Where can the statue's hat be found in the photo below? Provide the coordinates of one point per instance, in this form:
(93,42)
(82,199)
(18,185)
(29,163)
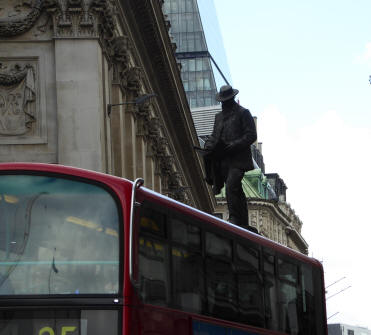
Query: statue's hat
(226,92)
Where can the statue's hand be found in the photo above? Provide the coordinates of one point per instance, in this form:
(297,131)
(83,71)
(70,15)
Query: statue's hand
(209,144)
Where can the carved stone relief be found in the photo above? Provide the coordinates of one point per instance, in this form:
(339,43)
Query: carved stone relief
(132,79)
(253,218)
(82,18)
(70,18)
(142,116)
(18,98)
(119,50)
(154,128)
(175,189)
(265,219)
(19,16)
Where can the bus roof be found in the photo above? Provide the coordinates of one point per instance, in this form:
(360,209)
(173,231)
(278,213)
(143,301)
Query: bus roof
(244,233)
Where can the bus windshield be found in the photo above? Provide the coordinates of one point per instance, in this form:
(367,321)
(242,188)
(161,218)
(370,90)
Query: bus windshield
(57,236)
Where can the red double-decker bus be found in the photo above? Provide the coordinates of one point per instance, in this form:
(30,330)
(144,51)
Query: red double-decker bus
(87,253)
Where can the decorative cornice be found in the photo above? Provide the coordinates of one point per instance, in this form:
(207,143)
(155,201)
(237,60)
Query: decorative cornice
(148,31)
(288,224)
(297,238)
(272,204)
(82,18)
(71,18)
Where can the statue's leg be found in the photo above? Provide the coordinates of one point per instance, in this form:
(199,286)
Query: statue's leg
(236,200)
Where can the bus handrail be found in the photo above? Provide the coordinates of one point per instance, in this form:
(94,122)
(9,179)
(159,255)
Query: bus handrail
(137,183)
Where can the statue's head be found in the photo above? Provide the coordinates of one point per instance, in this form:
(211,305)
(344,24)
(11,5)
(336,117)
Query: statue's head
(226,93)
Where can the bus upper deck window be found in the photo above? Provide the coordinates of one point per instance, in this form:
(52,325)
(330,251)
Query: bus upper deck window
(59,234)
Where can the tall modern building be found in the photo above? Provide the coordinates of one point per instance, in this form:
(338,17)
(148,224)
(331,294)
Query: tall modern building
(197,69)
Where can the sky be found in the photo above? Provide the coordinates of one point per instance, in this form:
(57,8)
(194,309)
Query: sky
(302,67)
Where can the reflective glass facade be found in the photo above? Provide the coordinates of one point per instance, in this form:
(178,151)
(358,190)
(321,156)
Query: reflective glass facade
(186,29)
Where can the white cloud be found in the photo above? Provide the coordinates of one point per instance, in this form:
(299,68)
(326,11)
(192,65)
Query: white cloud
(325,166)
(365,57)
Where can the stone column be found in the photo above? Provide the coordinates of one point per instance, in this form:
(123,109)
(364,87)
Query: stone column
(80,105)
(157,182)
(81,30)
(117,131)
(120,48)
(141,157)
(129,144)
(150,172)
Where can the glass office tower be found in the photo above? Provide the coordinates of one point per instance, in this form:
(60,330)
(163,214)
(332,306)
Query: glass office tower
(187,32)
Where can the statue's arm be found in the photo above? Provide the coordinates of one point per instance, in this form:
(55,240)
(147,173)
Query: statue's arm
(211,141)
(249,135)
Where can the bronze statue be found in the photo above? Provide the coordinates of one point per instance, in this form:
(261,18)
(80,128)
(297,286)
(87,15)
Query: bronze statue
(228,155)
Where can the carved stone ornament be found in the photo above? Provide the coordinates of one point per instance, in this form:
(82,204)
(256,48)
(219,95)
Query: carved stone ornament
(82,18)
(132,79)
(17,98)
(154,127)
(17,16)
(143,117)
(119,51)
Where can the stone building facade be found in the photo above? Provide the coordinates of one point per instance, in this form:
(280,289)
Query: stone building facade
(273,219)
(62,62)
(277,221)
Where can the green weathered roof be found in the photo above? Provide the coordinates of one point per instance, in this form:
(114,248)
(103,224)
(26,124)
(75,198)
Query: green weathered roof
(252,184)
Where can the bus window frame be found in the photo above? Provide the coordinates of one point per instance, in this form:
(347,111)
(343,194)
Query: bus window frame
(86,300)
(206,225)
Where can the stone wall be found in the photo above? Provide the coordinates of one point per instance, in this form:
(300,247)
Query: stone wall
(62,62)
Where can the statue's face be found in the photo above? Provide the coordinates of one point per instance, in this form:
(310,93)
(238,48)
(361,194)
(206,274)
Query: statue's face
(228,102)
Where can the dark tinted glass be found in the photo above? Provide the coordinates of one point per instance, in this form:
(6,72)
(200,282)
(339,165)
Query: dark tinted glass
(188,280)
(153,269)
(221,289)
(268,264)
(186,234)
(152,221)
(287,271)
(186,31)
(270,292)
(250,286)
(308,319)
(58,236)
(218,246)
(288,308)
(201,271)
(248,255)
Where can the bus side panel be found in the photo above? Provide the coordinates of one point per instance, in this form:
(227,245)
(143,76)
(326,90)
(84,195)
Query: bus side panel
(147,320)
(151,320)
